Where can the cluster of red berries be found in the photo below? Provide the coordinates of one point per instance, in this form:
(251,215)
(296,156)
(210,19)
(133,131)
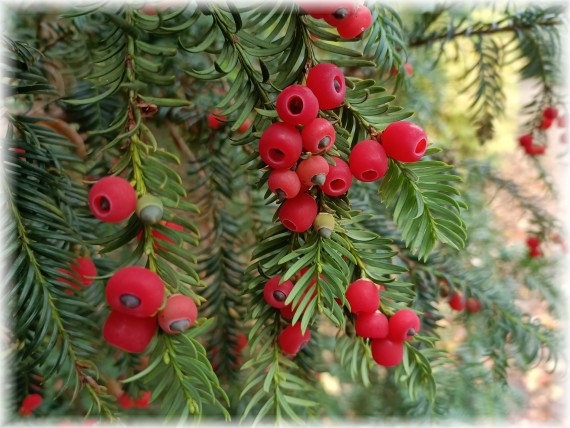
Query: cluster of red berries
(128,402)
(29,404)
(350,18)
(548,116)
(82,270)
(533,244)
(387,335)
(458,302)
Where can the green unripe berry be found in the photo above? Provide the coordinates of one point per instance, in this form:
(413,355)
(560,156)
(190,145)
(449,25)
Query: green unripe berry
(149,209)
(324,224)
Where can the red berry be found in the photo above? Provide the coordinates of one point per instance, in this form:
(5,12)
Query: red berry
(403,325)
(318,135)
(85,269)
(131,334)
(112,199)
(287,312)
(409,69)
(30,403)
(362,296)
(241,342)
(535,253)
(244,126)
(342,11)
(368,161)
(178,315)
(457,302)
(338,179)
(327,83)
(215,119)
(275,294)
(136,291)
(157,235)
(550,113)
(284,183)
(313,8)
(297,105)
(386,352)
(297,214)
(535,150)
(533,241)
(280,145)
(373,325)
(545,123)
(291,339)
(472,305)
(143,401)
(355,24)
(525,140)
(404,141)
(125,401)
(313,171)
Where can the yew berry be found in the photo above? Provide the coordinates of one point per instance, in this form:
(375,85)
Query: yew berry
(297,105)
(534,150)
(313,171)
(136,291)
(157,235)
(525,140)
(404,141)
(29,404)
(112,199)
(472,305)
(241,342)
(355,24)
(82,270)
(149,209)
(246,124)
(284,183)
(287,312)
(215,119)
(291,339)
(409,68)
(143,401)
(131,334)
(125,401)
(318,135)
(373,325)
(457,301)
(535,253)
(280,145)
(338,179)
(342,11)
(324,224)
(362,296)
(178,315)
(368,161)
(297,214)
(545,123)
(275,294)
(533,241)
(403,325)
(550,113)
(328,84)
(386,352)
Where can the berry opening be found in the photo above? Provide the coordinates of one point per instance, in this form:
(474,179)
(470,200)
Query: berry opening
(370,175)
(104,203)
(279,296)
(179,325)
(276,155)
(295,105)
(324,142)
(130,301)
(289,225)
(340,13)
(337,184)
(337,85)
(421,147)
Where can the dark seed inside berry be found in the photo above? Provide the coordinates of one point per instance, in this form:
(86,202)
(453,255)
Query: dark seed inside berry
(340,13)
(336,85)
(179,325)
(104,204)
(319,179)
(296,105)
(279,296)
(130,301)
(411,332)
(324,142)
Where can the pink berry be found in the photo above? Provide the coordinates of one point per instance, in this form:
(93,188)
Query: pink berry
(275,294)
(368,161)
(328,84)
(284,183)
(386,352)
(318,135)
(280,145)
(297,105)
(313,171)
(373,325)
(297,214)
(355,24)
(362,296)
(338,179)
(404,141)
(403,325)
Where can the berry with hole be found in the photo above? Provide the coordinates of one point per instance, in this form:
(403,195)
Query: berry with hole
(403,325)
(355,24)
(404,141)
(386,352)
(112,199)
(291,339)
(472,305)
(284,183)
(362,296)
(136,291)
(368,161)
(313,171)
(318,135)
(178,314)
(131,334)
(275,294)
(338,179)
(280,145)
(373,325)
(215,119)
(297,105)
(457,301)
(328,84)
(297,214)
